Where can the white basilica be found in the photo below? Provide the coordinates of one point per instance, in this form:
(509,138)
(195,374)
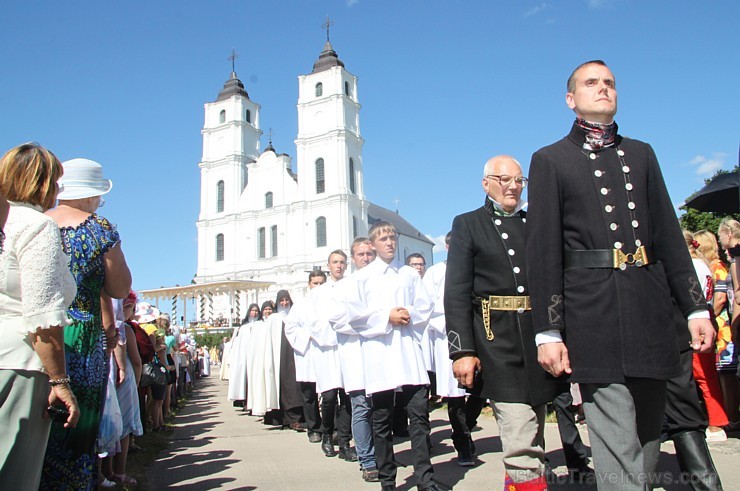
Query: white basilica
(260,219)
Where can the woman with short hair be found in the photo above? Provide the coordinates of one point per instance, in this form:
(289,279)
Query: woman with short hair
(36,288)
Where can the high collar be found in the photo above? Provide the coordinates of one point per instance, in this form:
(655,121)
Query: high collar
(497,210)
(382,266)
(578,136)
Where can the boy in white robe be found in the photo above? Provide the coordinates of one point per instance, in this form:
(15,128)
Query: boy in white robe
(389,307)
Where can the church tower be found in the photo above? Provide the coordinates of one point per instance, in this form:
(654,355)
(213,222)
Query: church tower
(329,151)
(231,135)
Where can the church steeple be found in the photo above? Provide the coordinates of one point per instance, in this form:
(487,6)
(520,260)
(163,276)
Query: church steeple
(233,85)
(328,57)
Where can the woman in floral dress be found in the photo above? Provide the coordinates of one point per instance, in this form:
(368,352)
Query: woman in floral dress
(100,271)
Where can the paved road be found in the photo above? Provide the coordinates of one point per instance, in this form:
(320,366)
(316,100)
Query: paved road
(216,446)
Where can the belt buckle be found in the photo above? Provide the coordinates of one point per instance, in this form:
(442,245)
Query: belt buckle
(637,258)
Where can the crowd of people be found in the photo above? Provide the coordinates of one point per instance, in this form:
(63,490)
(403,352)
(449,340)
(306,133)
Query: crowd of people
(591,293)
(72,355)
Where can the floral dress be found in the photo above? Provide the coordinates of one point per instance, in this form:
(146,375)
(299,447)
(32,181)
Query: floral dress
(70,455)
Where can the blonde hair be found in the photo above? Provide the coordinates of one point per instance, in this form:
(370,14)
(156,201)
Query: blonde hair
(29,174)
(357,242)
(688,237)
(380,228)
(708,245)
(729,226)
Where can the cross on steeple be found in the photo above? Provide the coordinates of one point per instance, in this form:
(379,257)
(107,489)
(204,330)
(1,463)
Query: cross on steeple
(327,25)
(269,136)
(232,58)
(396,201)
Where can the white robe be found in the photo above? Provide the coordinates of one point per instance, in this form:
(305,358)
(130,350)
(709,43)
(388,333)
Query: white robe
(298,333)
(324,345)
(275,323)
(434,282)
(238,363)
(392,355)
(207,364)
(225,361)
(348,341)
(262,392)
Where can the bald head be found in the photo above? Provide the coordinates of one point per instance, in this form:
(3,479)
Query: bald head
(500,181)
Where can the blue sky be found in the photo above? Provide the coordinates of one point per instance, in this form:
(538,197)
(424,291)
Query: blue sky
(444,85)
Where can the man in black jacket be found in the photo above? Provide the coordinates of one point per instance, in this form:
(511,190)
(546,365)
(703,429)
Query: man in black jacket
(605,256)
(489,322)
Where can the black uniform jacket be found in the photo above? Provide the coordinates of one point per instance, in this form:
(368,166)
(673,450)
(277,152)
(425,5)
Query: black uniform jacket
(615,323)
(486,257)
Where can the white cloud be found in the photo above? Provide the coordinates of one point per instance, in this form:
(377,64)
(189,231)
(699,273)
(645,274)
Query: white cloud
(706,167)
(350,3)
(536,9)
(439,243)
(597,4)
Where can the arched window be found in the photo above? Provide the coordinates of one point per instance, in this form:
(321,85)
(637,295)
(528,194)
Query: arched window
(220,247)
(219,197)
(351,175)
(273,241)
(268,199)
(354,226)
(320,185)
(261,242)
(319,89)
(222,116)
(248,116)
(346,88)
(321,232)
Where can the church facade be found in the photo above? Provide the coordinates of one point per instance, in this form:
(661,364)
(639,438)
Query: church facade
(261,220)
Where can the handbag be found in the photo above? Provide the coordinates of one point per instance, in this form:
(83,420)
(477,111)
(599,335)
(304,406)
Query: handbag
(153,374)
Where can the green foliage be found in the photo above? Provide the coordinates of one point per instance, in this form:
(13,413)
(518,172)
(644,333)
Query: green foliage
(694,220)
(211,339)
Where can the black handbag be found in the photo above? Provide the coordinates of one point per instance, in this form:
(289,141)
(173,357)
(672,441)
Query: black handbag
(153,374)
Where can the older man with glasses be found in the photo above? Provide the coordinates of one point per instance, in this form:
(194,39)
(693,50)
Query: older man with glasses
(489,322)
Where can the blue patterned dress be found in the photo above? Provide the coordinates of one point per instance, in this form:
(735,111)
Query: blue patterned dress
(70,455)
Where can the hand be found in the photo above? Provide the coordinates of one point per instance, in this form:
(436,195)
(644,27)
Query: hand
(702,335)
(64,394)
(399,317)
(553,357)
(464,370)
(121,376)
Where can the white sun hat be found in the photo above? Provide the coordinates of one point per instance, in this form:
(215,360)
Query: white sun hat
(83,178)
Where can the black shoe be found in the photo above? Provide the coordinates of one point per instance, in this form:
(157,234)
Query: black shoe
(581,474)
(465,459)
(314,437)
(327,446)
(347,453)
(370,475)
(432,487)
(389,487)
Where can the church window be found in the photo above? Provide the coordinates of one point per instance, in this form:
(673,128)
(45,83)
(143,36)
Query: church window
(354,226)
(273,241)
(321,232)
(220,197)
(346,88)
(351,175)
(261,242)
(220,247)
(320,184)
(248,116)
(268,199)
(319,89)
(222,116)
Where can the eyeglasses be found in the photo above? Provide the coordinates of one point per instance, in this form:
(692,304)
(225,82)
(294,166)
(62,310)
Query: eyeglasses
(507,181)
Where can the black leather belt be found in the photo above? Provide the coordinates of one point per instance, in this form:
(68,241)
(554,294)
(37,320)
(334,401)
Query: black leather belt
(604,258)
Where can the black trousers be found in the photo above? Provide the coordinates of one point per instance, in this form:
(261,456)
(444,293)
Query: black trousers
(414,397)
(683,411)
(463,415)
(332,402)
(576,453)
(311,406)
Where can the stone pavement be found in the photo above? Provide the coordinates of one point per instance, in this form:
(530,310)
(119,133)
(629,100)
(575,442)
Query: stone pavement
(217,446)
